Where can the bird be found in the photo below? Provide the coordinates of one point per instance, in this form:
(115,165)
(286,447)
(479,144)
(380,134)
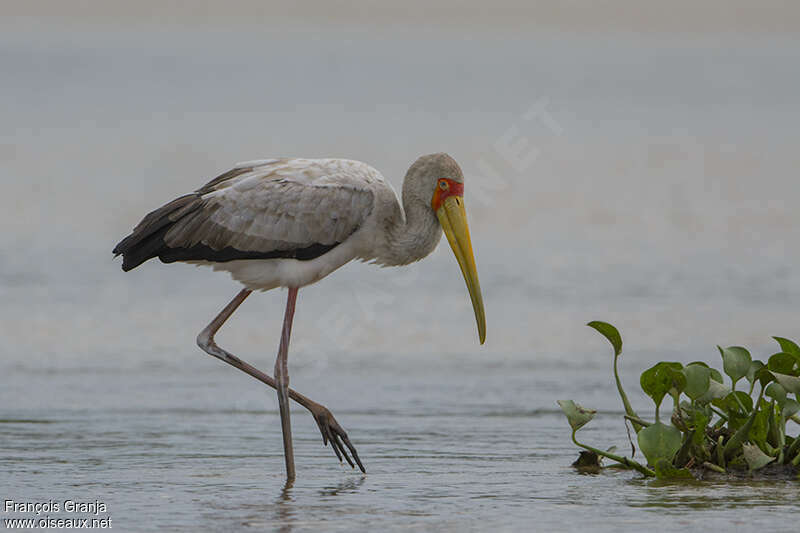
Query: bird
(288,223)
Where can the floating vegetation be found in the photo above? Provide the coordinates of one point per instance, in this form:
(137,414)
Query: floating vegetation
(731,429)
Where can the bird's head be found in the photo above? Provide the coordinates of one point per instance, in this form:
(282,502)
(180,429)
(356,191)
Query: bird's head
(442,178)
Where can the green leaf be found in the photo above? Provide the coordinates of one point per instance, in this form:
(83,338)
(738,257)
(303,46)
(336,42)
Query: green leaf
(678,380)
(697,380)
(775,426)
(716,376)
(764,376)
(790,383)
(737,406)
(659,441)
(734,401)
(665,470)
(738,438)
(760,430)
(781,362)
(735,362)
(789,346)
(754,456)
(716,390)
(755,366)
(657,380)
(612,334)
(609,332)
(790,408)
(697,418)
(776,391)
(576,415)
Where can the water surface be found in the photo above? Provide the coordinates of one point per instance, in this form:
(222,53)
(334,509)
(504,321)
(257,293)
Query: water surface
(662,198)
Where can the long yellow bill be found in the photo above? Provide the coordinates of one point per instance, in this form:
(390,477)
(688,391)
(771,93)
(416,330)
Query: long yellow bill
(453,219)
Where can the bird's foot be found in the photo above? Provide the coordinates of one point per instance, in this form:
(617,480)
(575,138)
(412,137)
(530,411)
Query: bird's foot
(332,432)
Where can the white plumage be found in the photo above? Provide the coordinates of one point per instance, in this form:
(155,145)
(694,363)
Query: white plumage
(281,204)
(285,204)
(289,223)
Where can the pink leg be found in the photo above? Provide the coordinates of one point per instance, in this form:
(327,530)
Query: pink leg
(328,425)
(282,382)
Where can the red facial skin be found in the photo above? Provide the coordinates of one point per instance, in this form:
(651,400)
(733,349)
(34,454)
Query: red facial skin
(444,189)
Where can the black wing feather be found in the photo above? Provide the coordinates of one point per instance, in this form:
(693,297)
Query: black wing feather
(148,240)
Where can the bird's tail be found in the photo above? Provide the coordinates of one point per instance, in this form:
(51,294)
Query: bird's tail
(147,239)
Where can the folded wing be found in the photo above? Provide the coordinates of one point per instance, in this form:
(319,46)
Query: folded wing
(281,208)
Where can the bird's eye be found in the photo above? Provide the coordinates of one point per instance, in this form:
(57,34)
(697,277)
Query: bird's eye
(443,185)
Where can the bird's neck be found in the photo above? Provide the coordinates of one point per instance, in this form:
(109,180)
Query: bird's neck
(412,237)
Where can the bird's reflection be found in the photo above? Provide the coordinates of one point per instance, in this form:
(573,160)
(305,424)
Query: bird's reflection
(348,485)
(284,510)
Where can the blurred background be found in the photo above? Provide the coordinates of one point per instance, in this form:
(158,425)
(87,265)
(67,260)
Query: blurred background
(626,161)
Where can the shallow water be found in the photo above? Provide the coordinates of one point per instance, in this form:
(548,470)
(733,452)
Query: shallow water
(458,445)
(663,200)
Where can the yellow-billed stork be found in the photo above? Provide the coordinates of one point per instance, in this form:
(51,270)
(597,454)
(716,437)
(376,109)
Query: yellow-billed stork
(291,222)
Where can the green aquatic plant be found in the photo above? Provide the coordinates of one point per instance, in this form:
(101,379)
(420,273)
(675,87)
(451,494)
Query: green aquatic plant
(713,425)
